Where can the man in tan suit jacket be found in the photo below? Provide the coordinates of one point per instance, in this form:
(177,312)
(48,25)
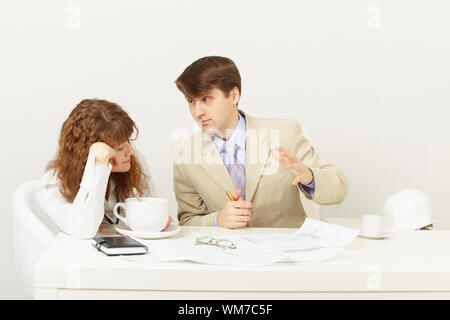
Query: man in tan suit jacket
(279,161)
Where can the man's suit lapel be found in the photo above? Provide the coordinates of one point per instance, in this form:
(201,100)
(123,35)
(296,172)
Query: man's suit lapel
(256,155)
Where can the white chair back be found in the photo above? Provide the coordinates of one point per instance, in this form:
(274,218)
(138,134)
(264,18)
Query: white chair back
(32,233)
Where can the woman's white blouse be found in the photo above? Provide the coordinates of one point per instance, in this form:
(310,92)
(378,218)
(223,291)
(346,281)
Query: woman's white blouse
(83,216)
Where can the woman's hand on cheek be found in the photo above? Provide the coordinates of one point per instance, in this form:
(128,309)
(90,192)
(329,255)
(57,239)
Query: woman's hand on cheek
(103,153)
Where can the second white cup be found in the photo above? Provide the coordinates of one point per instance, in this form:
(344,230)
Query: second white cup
(372,224)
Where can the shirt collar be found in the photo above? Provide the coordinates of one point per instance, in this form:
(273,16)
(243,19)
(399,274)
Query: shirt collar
(237,137)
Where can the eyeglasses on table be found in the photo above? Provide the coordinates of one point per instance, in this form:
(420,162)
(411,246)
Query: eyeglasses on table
(222,243)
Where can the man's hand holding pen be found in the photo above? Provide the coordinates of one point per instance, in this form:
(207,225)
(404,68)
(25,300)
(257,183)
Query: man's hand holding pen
(235,213)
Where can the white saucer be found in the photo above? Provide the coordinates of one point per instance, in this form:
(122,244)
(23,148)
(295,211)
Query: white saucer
(374,236)
(170,231)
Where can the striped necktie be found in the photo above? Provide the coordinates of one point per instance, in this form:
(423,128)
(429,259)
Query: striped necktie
(235,168)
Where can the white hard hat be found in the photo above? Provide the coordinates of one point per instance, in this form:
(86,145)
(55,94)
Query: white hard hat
(409,209)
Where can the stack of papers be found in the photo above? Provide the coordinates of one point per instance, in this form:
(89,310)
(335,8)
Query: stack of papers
(314,241)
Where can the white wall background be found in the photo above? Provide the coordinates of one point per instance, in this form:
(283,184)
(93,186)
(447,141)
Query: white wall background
(369,80)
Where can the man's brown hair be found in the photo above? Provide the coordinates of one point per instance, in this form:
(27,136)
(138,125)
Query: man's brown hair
(207,73)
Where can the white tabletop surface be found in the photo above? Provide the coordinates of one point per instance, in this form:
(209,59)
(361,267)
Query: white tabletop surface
(417,261)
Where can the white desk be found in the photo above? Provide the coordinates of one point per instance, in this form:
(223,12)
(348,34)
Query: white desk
(414,265)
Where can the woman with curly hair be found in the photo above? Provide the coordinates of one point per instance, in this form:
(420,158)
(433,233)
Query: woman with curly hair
(95,167)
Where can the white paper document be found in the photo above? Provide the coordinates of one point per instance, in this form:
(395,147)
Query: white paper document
(246,253)
(313,234)
(314,241)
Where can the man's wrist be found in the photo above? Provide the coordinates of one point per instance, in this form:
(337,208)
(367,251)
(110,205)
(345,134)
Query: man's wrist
(308,178)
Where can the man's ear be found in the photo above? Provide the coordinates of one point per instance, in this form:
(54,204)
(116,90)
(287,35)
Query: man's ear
(236,95)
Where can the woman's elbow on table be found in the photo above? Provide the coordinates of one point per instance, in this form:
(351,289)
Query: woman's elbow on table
(83,232)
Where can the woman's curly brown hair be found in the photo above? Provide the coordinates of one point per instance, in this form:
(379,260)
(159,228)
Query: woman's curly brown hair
(91,121)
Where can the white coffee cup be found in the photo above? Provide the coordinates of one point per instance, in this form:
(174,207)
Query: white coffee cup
(150,214)
(372,224)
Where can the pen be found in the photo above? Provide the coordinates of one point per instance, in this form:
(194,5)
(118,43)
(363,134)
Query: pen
(230,196)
